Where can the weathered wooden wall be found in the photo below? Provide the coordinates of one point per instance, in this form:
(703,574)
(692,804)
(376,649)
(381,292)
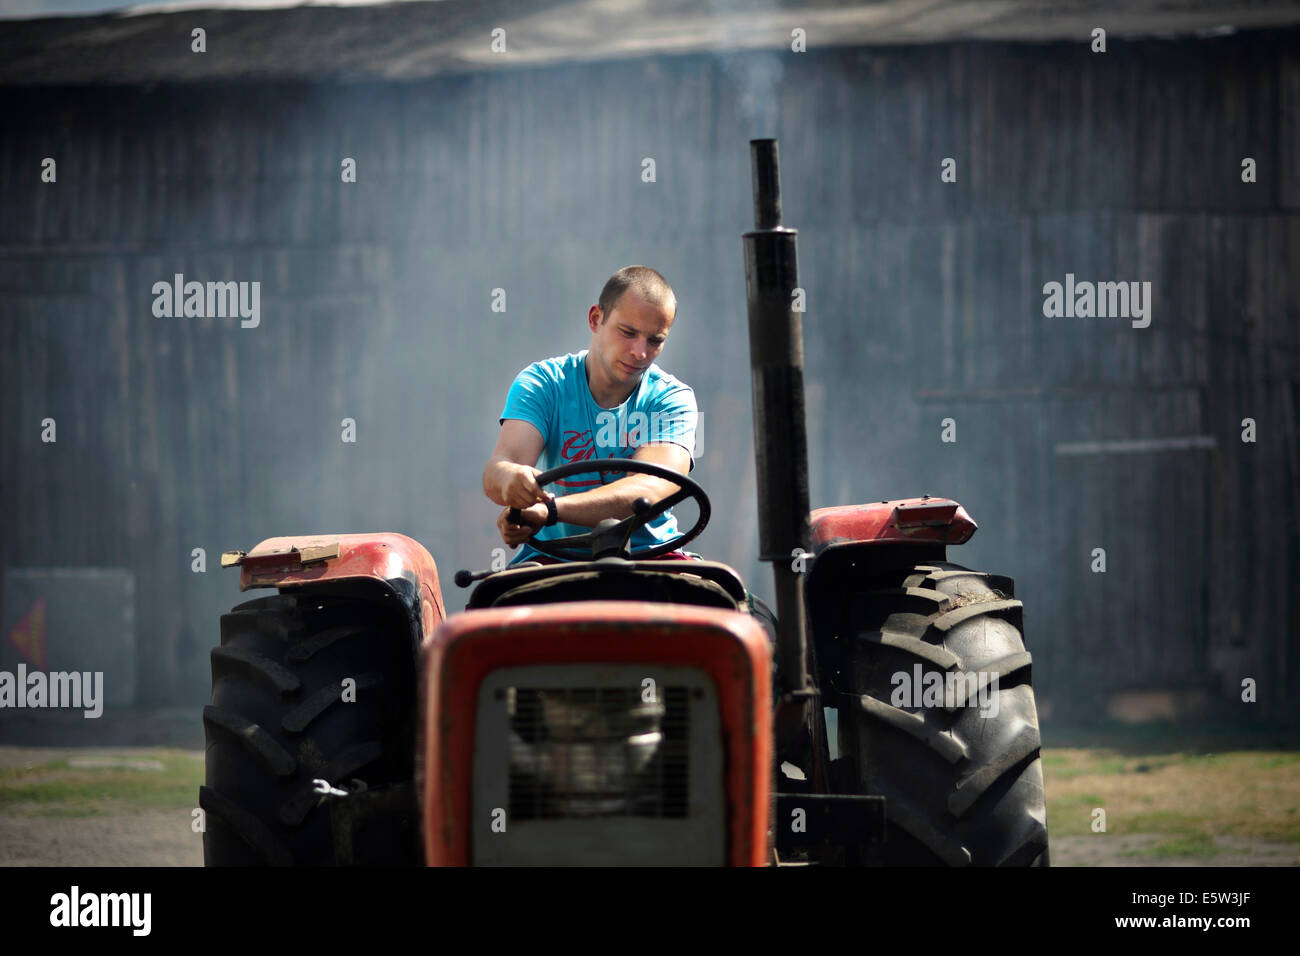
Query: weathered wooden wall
(925,303)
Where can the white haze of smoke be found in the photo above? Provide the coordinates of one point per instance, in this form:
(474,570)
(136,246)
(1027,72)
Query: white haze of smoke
(755,77)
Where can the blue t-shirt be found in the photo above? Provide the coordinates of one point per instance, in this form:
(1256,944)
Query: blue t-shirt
(553,396)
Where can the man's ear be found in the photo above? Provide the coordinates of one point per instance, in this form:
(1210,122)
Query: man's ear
(595,316)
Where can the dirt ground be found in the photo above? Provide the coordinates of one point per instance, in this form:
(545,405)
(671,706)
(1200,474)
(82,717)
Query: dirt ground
(60,833)
(106,828)
(158,839)
(1137,850)
(134,839)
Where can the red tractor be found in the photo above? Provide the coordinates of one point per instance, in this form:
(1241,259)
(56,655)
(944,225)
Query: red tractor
(612,708)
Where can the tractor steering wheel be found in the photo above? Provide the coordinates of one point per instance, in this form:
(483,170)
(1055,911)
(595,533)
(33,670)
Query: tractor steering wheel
(610,536)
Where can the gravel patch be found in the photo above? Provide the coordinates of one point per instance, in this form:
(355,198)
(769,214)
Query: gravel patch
(1136,849)
(128,839)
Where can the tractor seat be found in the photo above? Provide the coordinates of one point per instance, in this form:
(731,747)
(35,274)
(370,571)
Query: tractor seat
(656,586)
(708,583)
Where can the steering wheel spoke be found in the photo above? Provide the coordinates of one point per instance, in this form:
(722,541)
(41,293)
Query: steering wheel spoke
(675,498)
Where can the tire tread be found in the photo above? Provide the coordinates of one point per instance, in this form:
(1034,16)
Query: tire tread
(277,722)
(959,787)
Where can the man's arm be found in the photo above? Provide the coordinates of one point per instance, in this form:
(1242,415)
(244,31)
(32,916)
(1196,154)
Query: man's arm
(509,478)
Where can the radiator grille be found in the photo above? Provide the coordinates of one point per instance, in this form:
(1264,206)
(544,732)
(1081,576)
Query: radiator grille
(586,752)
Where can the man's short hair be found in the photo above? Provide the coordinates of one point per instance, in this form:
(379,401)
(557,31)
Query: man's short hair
(647,283)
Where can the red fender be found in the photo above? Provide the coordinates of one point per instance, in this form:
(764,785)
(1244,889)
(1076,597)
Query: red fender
(911,520)
(400,563)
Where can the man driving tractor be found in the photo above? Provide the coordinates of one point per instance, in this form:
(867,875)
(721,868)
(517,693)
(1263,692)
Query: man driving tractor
(608,401)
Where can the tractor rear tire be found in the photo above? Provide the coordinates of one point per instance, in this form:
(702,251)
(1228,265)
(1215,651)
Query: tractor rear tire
(281,717)
(961,787)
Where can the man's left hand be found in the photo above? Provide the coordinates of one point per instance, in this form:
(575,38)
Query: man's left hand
(515,535)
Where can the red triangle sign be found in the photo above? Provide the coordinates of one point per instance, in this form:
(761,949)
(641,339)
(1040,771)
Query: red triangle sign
(28,635)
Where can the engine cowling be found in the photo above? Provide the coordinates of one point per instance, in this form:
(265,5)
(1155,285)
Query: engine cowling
(601,733)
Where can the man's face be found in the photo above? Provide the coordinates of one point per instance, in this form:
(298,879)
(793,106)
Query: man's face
(627,340)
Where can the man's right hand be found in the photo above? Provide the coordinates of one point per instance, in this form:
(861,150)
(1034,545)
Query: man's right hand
(516,534)
(516,485)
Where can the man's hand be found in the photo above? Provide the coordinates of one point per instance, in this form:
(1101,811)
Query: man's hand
(516,485)
(515,535)
(509,478)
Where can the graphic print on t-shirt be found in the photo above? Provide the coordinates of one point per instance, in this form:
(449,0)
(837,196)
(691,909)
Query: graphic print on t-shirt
(582,446)
(578,446)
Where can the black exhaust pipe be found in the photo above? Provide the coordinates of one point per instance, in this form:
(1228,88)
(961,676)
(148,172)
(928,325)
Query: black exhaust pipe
(780,436)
